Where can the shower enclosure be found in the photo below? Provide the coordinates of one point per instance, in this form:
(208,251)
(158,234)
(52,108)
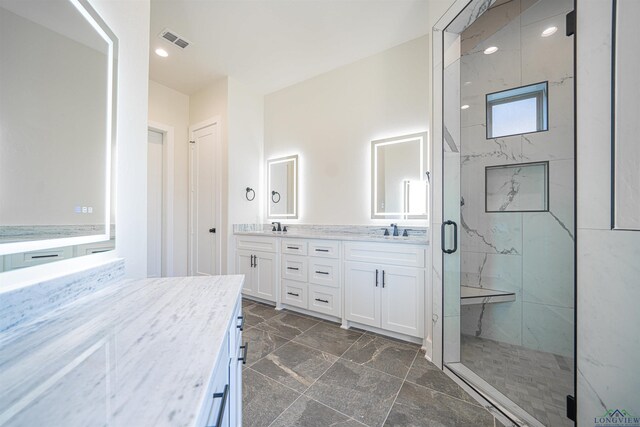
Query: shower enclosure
(508,200)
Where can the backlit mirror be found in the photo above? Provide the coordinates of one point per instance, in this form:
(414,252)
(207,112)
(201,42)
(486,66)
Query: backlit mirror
(57,127)
(282,187)
(399,179)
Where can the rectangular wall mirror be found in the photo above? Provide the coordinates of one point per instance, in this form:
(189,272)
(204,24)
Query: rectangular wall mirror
(57,114)
(282,187)
(399,181)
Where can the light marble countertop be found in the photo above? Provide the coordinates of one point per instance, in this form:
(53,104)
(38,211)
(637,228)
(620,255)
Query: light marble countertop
(413,240)
(137,353)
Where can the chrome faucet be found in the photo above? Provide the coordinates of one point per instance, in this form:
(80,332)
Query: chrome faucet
(395,229)
(279,228)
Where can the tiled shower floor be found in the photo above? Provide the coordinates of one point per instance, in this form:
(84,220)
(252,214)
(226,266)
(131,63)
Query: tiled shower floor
(536,381)
(306,372)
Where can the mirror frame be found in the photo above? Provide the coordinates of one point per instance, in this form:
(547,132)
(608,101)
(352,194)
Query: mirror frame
(98,24)
(294,159)
(424,172)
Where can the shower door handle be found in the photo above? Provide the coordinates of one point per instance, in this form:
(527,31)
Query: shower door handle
(443,228)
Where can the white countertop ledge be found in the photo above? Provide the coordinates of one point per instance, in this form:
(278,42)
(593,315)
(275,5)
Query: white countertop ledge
(338,236)
(137,353)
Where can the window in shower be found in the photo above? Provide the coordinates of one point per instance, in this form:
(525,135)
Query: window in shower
(517,111)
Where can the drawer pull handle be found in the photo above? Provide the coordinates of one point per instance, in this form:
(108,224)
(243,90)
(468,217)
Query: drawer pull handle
(241,325)
(245,349)
(293,268)
(291,293)
(295,248)
(322,300)
(224,395)
(322,272)
(45,256)
(322,250)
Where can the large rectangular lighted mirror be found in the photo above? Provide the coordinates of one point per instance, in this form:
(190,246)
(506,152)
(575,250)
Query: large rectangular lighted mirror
(57,114)
(282,188)
(399,180)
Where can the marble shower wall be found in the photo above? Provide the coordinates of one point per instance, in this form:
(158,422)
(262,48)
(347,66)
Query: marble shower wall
(530,254)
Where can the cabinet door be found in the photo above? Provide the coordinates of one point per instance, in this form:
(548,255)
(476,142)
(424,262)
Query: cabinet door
(265,276)
(244,266)
(362,295)
(403,300)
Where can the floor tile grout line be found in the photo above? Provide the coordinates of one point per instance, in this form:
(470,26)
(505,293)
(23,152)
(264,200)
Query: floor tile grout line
(442,392)
(400,389)
(275,381)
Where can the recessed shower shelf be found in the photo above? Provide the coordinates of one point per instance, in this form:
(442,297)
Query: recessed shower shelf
(470,295)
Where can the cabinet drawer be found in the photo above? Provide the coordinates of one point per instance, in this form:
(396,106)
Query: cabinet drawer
(324,299)
(324,248)
(218,382)
(294,246)
(386,253)
(256,243)
(28,259)
(294,293)
(294,268)
(324,271)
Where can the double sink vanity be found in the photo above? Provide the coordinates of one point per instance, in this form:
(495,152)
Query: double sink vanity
(356,277)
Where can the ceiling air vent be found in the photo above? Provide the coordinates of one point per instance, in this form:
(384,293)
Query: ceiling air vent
(174,38)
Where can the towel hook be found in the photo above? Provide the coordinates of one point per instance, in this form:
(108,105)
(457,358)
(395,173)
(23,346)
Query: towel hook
(253,194)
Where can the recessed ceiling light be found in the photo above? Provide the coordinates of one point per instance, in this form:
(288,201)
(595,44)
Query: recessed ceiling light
(464,107)
(490,50)
(549,31)
(162,52)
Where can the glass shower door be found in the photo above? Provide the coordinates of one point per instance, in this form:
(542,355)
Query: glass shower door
(508,206)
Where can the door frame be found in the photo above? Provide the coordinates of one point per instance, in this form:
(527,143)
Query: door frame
(217,222)
(168,167)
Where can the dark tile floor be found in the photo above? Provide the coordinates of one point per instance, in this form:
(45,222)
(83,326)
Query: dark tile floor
(306,372)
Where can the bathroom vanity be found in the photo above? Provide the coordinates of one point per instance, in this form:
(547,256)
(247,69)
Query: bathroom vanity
(144,352)
(374,282)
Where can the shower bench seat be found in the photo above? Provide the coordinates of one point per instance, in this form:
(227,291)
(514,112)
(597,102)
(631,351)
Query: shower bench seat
(470,295)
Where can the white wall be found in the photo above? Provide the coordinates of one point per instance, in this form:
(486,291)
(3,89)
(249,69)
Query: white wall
(171,108)
(130,23)
(330,121)
(246,135)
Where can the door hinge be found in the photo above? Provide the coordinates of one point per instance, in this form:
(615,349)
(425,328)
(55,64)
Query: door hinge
(571,23)
(571,407)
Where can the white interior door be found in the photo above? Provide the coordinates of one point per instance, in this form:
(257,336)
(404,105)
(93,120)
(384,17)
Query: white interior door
(154,203)
(203,196)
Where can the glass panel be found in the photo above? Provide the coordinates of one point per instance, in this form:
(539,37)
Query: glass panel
(514,334)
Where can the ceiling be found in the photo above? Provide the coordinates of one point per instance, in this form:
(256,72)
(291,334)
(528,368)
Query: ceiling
(272,44)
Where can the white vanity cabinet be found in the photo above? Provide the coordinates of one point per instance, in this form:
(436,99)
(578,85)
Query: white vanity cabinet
(384,286)
(256,259)
(311,276)
(223,405)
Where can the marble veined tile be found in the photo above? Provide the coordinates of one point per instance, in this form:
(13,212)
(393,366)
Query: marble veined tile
(310,413)
(420,406)
(548,328)
(388,356)
(500,322)
(517,188)
(548,260)
(357,391)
